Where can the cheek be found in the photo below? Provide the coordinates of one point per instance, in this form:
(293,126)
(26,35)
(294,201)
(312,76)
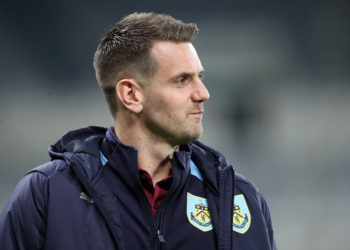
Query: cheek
(168,103)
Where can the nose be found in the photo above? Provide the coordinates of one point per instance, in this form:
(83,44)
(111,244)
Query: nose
(200,93)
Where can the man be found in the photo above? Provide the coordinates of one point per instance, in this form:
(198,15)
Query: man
(144,183)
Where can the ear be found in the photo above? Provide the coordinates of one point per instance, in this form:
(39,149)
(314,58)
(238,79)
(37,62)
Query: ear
(130,95)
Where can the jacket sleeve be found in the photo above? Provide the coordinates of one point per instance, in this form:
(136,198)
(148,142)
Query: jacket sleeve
(23,220)
(266,212)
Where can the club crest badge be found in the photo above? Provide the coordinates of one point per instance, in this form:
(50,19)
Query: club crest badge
(198,212)
(241,215)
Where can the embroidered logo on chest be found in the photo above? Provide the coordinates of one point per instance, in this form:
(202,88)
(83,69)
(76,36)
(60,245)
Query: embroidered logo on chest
(198,212)
(241,215)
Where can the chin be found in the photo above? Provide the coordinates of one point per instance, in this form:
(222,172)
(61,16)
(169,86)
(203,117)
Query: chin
(191,137)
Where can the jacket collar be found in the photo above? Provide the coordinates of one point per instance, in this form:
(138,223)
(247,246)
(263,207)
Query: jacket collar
(84,140)
(210,163)
(111,143)
(91,140)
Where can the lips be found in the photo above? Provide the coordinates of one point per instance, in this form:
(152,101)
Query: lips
(197,112)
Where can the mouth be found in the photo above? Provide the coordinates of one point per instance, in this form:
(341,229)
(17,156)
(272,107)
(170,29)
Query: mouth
(198,113)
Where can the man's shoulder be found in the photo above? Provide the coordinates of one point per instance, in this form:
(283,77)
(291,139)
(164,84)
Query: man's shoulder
(50,168)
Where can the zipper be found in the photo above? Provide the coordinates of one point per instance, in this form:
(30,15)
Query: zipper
(163,207)
(155,220)
(160,237)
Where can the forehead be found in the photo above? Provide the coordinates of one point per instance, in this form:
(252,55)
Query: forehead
(174,58)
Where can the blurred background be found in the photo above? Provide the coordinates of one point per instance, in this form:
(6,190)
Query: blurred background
(277,71)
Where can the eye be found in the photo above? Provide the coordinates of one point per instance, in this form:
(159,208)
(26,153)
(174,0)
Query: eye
(201,75)
(183,80)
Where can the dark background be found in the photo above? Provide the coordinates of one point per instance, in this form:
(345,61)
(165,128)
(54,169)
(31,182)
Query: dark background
(277,71)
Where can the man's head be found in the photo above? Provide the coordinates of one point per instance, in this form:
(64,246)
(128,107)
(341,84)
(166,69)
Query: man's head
(172,106)
(125,52)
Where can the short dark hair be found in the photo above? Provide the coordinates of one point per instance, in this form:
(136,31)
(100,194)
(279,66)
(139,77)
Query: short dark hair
(125,50)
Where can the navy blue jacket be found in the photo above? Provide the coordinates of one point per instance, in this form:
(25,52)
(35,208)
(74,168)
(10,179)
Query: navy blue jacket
(89,196)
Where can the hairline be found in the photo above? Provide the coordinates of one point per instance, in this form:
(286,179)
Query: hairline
(134,71)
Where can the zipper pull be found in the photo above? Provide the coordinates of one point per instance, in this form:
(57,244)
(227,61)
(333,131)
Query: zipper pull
(160,237)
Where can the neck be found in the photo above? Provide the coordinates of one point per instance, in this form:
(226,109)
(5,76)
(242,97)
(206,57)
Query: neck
(153,156)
